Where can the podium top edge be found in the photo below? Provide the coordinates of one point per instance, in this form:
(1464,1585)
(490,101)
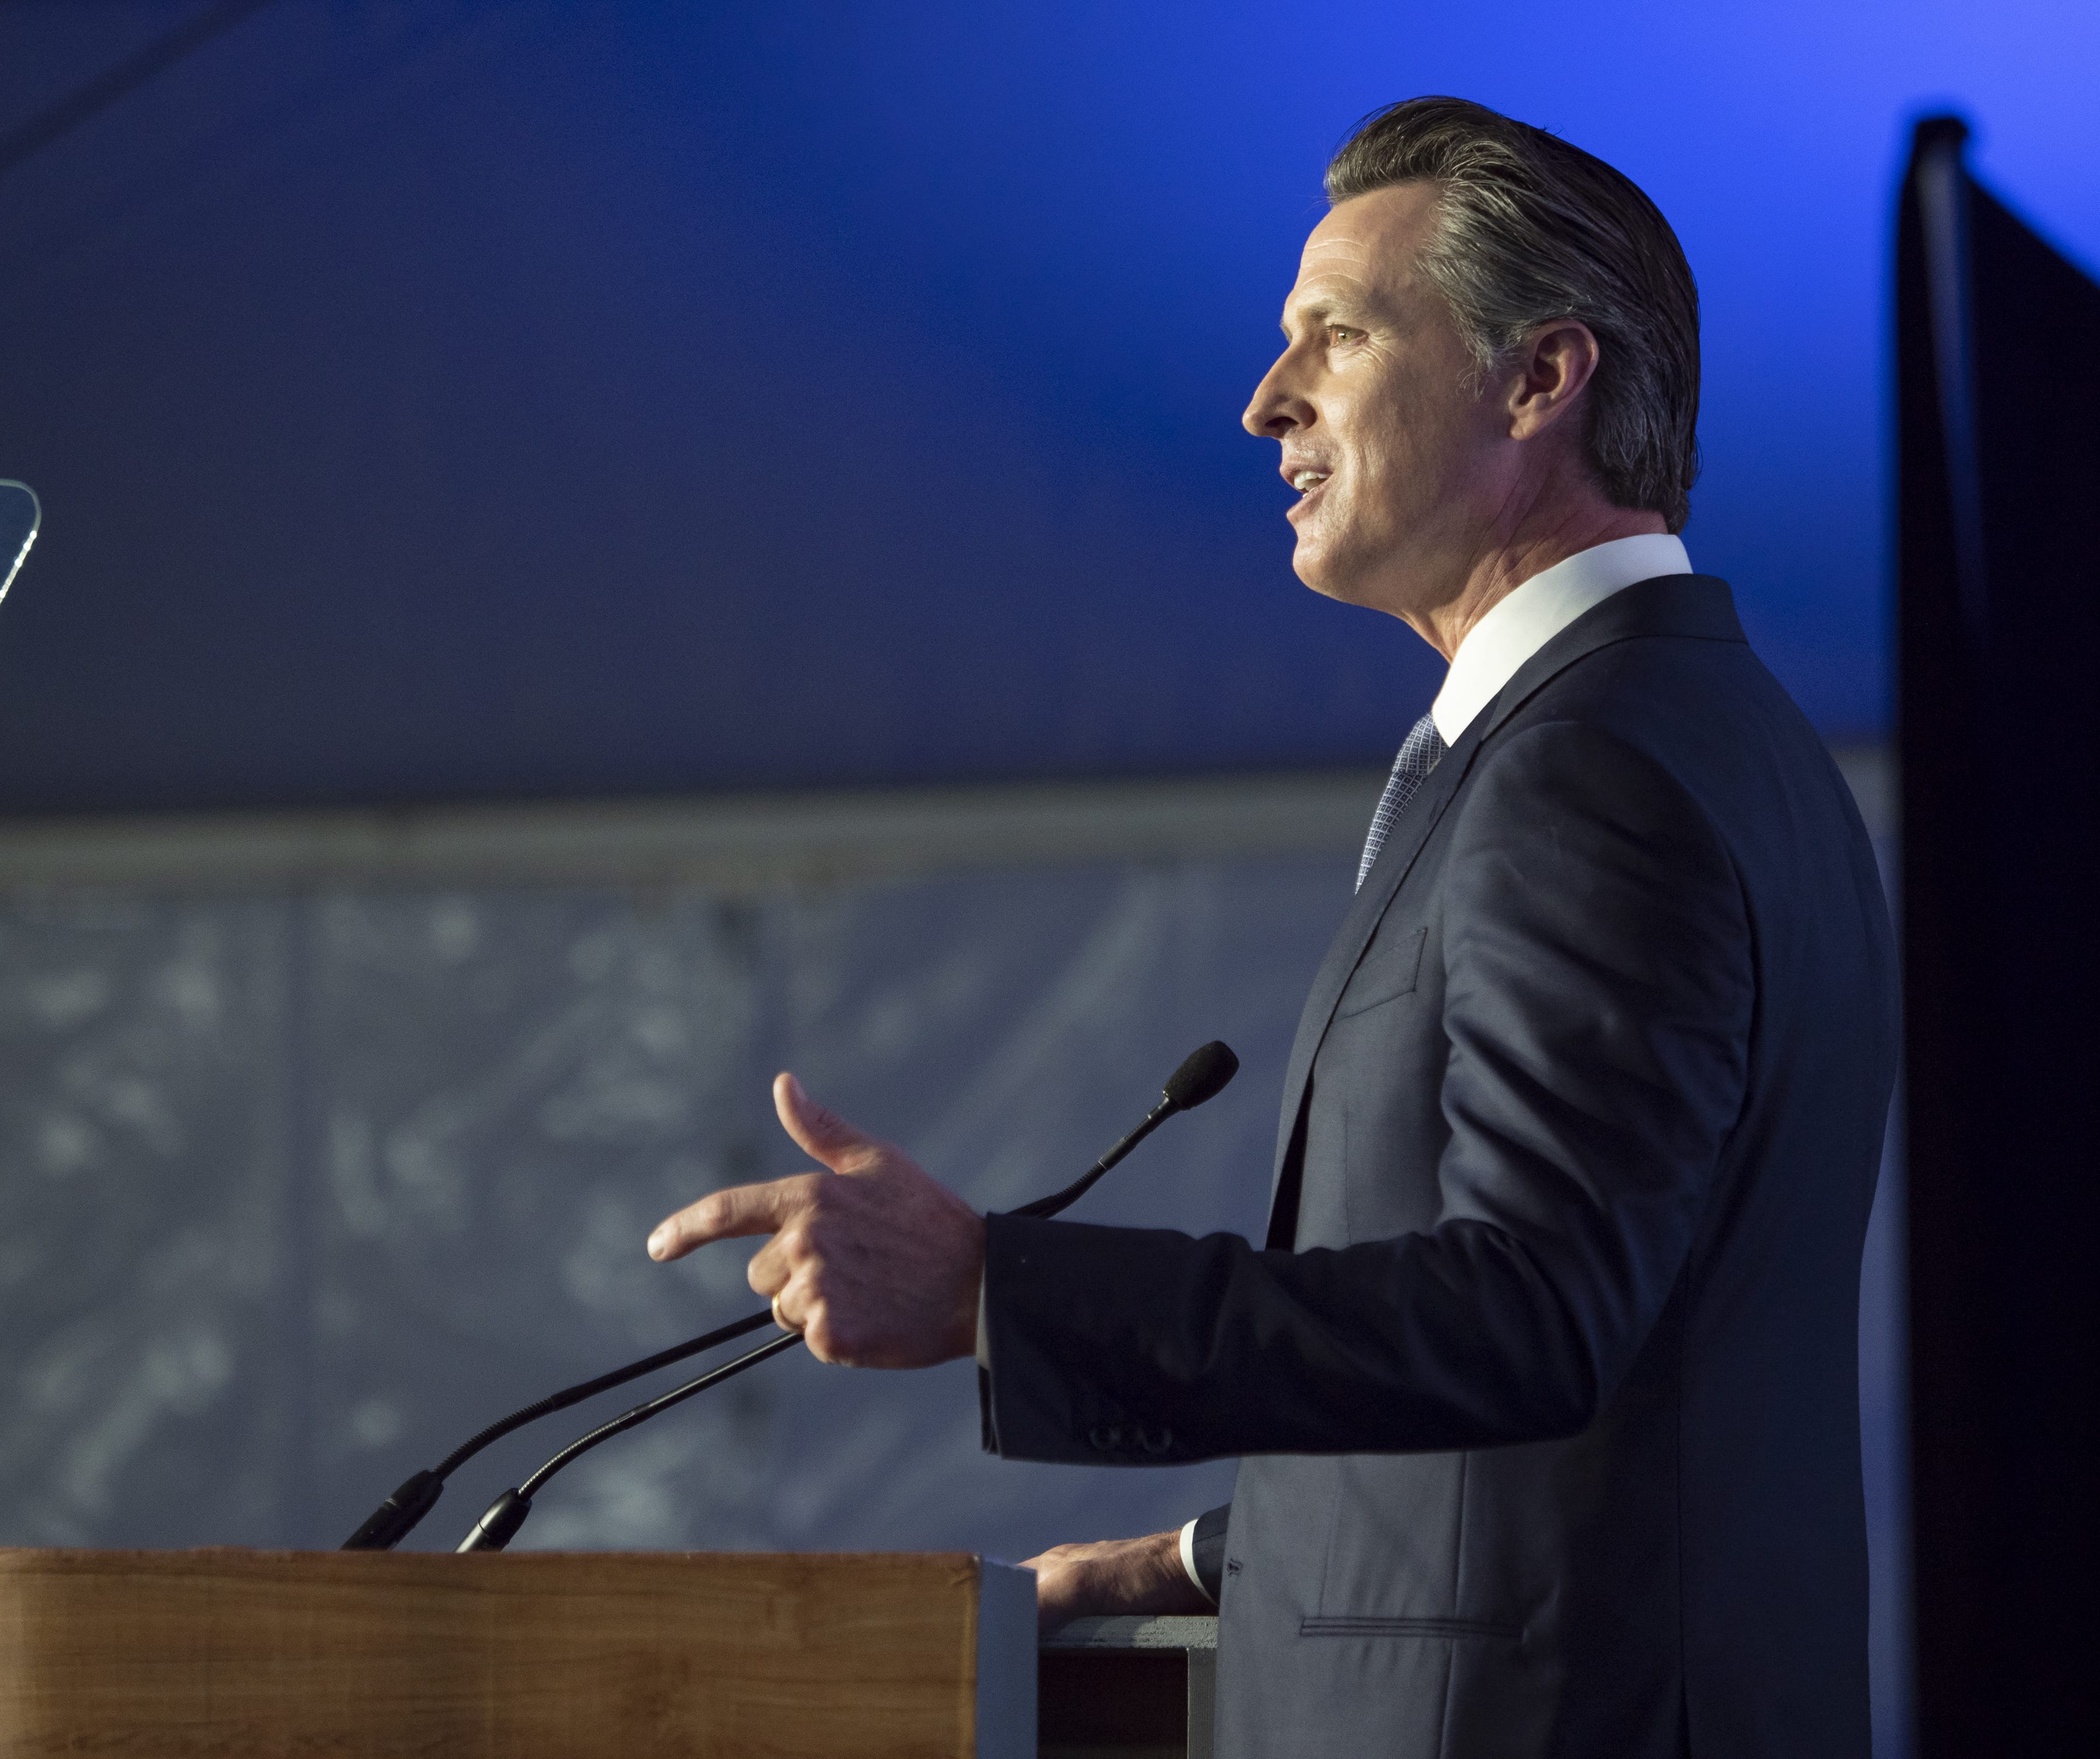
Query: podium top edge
(1160,1632)
(18,1559)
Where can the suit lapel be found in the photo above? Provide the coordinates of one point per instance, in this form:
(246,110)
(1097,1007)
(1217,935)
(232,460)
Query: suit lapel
(1696,606)
(1403,844)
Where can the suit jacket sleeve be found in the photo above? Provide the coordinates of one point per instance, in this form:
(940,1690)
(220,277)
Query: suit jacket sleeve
(1598,995)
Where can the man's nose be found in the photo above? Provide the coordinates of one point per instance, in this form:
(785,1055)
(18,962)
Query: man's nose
(1277,408)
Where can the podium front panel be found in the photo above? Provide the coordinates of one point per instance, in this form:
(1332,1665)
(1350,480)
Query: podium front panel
(524,1656)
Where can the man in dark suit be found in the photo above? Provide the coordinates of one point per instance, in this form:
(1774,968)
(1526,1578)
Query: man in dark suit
(1544,1381)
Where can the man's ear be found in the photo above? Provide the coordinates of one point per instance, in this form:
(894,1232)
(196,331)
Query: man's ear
(1555,365)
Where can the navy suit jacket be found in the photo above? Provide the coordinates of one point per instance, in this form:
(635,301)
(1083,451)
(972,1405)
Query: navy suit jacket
(1545,1380)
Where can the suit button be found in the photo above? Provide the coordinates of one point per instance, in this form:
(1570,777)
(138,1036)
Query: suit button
(1106,1438)
(1156,1441)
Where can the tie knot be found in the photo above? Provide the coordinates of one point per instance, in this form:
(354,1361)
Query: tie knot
(1423,745)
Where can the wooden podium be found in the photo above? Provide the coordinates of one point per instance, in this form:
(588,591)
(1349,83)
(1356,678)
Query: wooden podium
(163,1654)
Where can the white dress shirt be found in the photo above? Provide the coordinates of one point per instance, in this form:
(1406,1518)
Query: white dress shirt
(1495,651)
(1516,626)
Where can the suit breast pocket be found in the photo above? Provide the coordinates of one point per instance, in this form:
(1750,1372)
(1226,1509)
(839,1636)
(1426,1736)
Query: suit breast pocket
(1391,967)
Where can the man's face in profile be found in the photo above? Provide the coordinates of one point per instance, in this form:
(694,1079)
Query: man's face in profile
(1391,449)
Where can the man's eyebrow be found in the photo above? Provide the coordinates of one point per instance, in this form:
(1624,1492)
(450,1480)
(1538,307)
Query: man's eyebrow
(1315,313)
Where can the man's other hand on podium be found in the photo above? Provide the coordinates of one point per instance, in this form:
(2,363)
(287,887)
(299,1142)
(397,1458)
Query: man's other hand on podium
(1115,1578)
(874,1261)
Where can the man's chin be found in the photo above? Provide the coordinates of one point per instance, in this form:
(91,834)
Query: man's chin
(1316,567)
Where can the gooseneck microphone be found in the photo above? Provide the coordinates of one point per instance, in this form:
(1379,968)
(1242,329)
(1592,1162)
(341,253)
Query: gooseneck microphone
(395,1519)
(1200,1078)
(506,1514)
(1202,1075)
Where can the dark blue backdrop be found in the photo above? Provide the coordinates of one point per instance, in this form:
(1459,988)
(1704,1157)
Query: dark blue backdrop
(449,399)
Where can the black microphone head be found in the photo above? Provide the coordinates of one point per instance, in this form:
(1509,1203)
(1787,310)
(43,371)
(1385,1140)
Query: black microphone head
(1202,1075)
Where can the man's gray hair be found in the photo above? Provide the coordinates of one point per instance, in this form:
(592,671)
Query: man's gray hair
(1532,230)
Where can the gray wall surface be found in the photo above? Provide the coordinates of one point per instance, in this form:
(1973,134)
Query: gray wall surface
(302,1191)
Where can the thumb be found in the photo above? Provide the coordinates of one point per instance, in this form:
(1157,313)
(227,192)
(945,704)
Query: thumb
(818,1131)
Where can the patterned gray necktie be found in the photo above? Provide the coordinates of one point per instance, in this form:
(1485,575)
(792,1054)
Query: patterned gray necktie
(1418,755)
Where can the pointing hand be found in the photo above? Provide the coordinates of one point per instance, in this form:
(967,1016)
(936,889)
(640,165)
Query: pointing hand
(874,1262)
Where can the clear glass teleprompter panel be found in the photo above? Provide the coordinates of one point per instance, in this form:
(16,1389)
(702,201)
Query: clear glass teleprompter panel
(20,516)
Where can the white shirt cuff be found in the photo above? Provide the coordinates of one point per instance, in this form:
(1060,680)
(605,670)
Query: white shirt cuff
(1189,1558)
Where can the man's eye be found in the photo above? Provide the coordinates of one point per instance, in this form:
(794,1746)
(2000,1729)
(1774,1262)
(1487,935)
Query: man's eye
(1341,332)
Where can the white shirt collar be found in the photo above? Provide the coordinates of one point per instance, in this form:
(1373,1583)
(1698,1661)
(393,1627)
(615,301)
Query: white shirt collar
(1516,626)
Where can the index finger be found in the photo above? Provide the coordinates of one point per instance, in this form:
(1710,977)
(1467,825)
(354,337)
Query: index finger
(730,1215)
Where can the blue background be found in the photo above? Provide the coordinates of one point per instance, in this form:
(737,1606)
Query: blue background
(455,400)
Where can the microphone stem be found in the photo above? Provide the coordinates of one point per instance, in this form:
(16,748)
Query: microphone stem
(642,1412)
(498,1525)
(619,1376)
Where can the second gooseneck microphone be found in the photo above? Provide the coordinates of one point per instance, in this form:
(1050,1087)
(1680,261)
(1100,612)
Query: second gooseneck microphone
(1202,1075)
